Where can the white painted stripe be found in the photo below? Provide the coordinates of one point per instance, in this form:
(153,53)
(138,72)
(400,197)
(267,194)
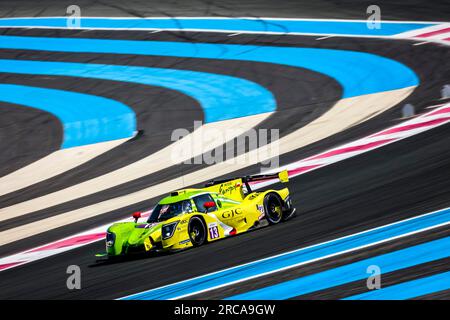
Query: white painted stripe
(323,38)
(414,35)
(444,42)
(440,36)
(421,43)
(416,32)
(54,164)
(222,31)
(336,158)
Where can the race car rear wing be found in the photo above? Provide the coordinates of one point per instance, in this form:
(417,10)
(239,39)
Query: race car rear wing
(283,177)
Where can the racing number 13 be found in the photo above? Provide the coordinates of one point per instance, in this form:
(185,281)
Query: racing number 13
(213,232)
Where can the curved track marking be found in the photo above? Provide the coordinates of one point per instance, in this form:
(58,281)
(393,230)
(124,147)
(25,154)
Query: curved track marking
(221,97)
(240,24)
(91,119)
(53,164)
(359,73)
(343,115)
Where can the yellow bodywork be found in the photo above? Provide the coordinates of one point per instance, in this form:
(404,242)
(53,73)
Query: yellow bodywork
(235,210)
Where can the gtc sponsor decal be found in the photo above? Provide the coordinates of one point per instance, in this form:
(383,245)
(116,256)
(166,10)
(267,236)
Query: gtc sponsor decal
(231,213)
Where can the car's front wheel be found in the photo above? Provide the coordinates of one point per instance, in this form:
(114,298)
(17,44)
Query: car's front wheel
(197,231)
(273,208)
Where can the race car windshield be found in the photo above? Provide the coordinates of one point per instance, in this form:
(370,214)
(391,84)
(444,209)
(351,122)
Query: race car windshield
(164,212)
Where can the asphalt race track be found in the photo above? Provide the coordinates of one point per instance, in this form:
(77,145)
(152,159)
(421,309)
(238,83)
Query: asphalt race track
(398,181)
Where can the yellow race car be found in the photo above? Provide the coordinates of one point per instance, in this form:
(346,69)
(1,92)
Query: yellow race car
(191,217)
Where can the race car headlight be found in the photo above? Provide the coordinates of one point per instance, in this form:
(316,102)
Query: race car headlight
(168,230)
(110,239)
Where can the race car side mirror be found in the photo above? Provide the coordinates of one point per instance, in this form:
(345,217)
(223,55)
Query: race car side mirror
(136,216)
(208,205)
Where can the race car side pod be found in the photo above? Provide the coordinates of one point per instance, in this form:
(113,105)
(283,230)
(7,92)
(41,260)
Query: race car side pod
(283,176)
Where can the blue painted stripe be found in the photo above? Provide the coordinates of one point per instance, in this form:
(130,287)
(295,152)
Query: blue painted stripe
(289,259)
(221,97)
(397,260)
(236,24)
(359,73)
(86,119)
(408,290)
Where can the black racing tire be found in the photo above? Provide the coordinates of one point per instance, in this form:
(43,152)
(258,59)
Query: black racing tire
(197,231)
(273,208)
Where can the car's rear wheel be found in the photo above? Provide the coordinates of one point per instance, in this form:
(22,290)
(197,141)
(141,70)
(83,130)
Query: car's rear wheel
(197,231)
(273,208)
